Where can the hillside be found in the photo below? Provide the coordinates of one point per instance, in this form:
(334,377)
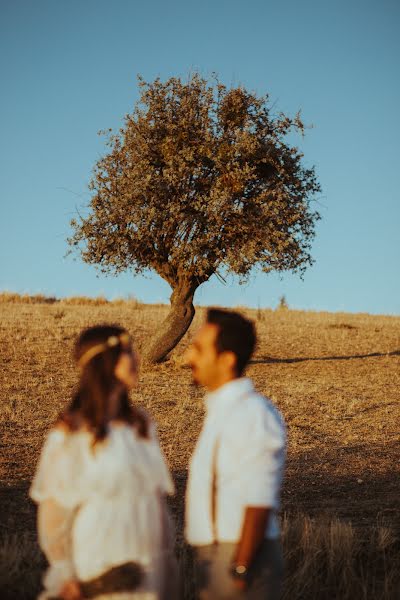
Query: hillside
(334,376)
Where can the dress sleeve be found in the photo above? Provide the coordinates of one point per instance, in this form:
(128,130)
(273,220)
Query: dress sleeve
(164,479)
(57,491)
(59,474)
(54,529)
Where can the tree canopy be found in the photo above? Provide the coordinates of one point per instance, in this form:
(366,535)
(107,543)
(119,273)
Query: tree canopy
(200,180)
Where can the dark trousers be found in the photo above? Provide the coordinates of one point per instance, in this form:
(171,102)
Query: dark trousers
(213,581)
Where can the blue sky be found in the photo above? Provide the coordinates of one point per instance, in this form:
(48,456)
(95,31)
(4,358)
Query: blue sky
(68,69)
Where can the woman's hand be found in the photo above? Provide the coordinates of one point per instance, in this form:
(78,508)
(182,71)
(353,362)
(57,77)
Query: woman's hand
(71,590)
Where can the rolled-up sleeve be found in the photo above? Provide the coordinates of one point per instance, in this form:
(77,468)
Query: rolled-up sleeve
(259,453)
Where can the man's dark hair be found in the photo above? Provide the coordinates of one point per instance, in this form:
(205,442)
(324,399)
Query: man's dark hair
(235,334)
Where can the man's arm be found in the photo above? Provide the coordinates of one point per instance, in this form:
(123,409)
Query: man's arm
(252,536)
(260,447)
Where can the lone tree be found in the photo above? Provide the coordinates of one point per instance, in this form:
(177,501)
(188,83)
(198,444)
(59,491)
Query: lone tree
(199,181)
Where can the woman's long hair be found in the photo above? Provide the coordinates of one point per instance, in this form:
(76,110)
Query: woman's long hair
(89,405)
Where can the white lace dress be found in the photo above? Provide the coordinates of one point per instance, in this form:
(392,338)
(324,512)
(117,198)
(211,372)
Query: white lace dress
(102,507)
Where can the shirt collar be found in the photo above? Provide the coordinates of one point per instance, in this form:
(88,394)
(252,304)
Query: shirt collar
(224,396)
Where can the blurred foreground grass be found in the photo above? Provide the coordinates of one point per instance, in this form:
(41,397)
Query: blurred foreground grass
(325,559)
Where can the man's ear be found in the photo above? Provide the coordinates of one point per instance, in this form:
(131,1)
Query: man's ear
(229,360)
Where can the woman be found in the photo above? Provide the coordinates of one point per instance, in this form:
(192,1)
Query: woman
(100,484)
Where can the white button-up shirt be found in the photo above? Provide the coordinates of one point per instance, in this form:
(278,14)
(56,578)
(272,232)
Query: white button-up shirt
(242,448)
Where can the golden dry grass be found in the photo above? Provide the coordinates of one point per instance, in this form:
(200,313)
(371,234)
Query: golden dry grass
(335,377)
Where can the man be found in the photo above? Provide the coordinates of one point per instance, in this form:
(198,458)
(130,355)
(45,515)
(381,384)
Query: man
(235,471)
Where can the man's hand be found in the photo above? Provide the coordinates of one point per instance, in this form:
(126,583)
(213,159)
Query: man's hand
(240,584)
(253,532)
(239,578)
(71,591)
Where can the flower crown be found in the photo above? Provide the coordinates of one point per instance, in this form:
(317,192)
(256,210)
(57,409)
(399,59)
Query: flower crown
(113,340)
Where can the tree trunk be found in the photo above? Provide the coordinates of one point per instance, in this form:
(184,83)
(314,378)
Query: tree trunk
(174,327)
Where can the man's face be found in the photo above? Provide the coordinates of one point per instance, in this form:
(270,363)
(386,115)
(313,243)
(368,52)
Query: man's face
(203,358)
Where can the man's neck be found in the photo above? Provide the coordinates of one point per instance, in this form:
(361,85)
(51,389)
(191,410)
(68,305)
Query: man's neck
(221,382)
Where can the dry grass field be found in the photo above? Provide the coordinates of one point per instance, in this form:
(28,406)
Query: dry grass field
(336,379)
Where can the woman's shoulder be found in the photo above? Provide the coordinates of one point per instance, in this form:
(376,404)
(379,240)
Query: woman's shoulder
(63,434)
(59,431)
(60,427)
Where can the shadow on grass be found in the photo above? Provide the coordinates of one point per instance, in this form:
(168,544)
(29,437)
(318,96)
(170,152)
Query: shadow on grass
(340,537)
(265,360)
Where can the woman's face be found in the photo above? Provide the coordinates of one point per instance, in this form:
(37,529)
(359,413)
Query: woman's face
(126,369)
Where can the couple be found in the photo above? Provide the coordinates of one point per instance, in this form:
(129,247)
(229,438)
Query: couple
(101,479)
